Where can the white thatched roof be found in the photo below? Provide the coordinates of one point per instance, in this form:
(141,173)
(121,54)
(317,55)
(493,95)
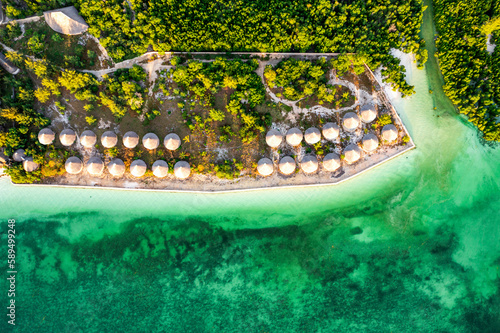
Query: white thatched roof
(352,153)
(331,131)
(294,136)
(309,164)
(46,136)
(274,138)
(182,170)
(130,139)
(116,167)
(312,135)
(66,21)
(350,121)
(19,155)
(172,141)
(138,168)
(368,113)
(287,165)
(389,133)
(67,137)
(331,162)
(95,166)
(370,142)
(160,168)
(29,164)
(73,165)
(265,167)
(88,139)
(150,141)
(109,139)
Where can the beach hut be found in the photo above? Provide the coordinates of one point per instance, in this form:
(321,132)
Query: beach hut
(95,166)
(88,139)
(331,131)
(19,155)
(309,164)
(73,165)
(160,168)
(130,140)
(66,21)
(109,139)
(182,170)
(294,136)
(116,167)
(265,167)
(138,168)
(172,141)
(352,153)
(368,113)
(29,164)
(46,136)
(150,141)
(67,137)
(312,135)
(6,64)
(370,142)
(274,138)
(350,121)
(287,165)
(389,133)
(331,162)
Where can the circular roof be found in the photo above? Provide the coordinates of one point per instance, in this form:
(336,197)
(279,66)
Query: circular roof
(130,139)
(46,136)
(67,137)
(116,167)
(368,113)
(331,131)
(95,166)
(172,141)
(73,165)
(29,164)
(309,164)
(160,168)
(265,167)
(370,142)
(312,135)
(138,168)
(19,155)
(150,141)
(109,139)
(352,153)
(88,139)
(389,133)
(350,121)
(294,136)
(182,170)
(287,165)
(331,162)
(274,138)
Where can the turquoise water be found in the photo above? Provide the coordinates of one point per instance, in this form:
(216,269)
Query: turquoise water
(413,245)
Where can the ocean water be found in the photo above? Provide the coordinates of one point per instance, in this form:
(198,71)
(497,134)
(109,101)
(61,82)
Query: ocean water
(411,246)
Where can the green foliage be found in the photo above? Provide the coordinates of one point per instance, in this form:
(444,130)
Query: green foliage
(384,119)
(57,38)
(91,120)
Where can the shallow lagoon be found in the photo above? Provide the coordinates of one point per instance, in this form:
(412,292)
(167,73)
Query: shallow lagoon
(412,245)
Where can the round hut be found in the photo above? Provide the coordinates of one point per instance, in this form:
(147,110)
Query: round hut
(66,21)
(29,164)
(160,168)
(138,168)
(67,137)
(312,135)
(368,113)
(331,162)
(130,139)
(389,133)
(150,141)
(116,167)
(309,164)
(88,139)
(350,121)
(294,136)
(46,136)
(352,153)
(274,138)
(182,170)
(109,139)
(265,167)
(19,155)
(287,165)
(370,142)
(95,166)
(172,141)
(73,165)
(331,131)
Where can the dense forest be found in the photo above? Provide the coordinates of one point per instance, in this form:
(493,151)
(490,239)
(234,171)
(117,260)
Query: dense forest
(471,74)
(370,27)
